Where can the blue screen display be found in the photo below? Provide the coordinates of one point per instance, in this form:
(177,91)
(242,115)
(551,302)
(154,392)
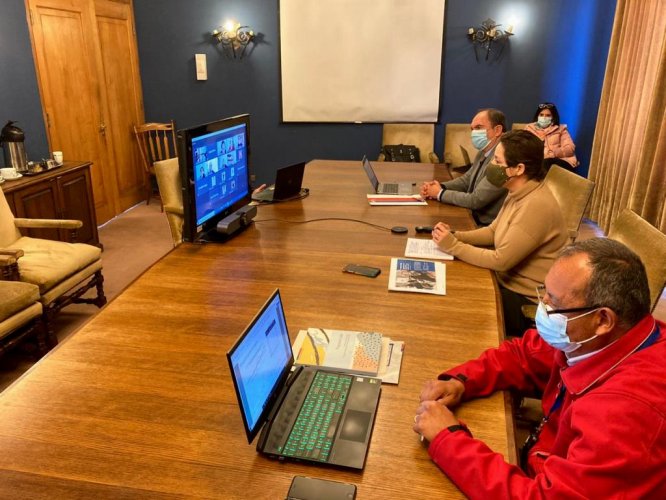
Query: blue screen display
(259,359)
(220,170)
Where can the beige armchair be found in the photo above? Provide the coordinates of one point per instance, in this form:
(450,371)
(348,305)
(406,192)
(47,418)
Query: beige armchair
(649,244)
(572,193)
(20,312)
(63,272)
(458,149)
(169,184)
(519,126)
(421,135)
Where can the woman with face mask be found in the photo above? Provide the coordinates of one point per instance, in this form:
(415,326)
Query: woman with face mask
(558,147)
(524,240)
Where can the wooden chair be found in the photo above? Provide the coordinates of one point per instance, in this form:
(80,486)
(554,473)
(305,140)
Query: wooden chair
(573,194)
(648,243)
(63,272)
(157,141)
(421,135)
(457,138)
(169,184)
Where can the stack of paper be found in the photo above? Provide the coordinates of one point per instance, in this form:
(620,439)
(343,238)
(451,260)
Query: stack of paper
(421,248)
(366,353)
(395,199)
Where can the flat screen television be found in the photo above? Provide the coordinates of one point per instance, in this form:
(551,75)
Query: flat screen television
(214,161)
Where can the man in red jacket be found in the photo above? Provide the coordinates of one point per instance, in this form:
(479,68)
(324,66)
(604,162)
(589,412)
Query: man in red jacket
(597,356)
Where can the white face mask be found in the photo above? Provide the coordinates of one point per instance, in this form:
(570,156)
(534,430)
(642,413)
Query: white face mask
(544,121)
(553,328)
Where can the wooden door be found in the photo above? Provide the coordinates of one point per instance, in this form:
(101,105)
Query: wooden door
(123,98)
(82,58)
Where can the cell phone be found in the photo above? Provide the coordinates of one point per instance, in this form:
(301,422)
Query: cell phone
(310,488)
(370,272)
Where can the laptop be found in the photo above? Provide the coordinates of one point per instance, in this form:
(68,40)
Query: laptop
(388,188)
(338,409)
(287,185)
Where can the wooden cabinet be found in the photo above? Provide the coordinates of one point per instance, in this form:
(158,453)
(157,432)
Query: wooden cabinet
(63,193)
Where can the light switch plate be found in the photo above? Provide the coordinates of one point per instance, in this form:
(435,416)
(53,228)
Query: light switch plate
(202,73)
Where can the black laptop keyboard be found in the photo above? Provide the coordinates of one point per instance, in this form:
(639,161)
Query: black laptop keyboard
(313,432)
(390,188)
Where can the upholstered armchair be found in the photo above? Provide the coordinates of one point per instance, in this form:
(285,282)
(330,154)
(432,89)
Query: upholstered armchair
(63,272)
(20,313)
(169,184)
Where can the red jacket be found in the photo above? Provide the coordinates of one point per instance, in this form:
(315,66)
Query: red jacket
(607,439)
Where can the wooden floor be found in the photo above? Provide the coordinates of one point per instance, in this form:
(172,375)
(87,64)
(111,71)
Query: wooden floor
(133,242)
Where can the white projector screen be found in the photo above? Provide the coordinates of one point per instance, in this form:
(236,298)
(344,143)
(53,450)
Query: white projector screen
(361,60)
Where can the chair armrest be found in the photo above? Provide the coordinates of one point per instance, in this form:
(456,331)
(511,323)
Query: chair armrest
(9,270)
(14,253)
(47,223)
(171,209)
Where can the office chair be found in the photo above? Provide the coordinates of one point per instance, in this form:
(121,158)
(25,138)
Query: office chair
(169,185)
(648,243)
(457,142)
(572,193)
(421,135)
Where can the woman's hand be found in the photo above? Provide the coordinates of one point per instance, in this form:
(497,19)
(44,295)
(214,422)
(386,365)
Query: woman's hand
(440,231)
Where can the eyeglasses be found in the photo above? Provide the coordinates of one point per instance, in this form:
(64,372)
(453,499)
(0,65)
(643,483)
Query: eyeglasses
(541,291)
(546,106)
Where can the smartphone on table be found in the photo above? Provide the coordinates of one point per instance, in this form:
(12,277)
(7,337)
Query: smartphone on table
(370,272)
(310,488)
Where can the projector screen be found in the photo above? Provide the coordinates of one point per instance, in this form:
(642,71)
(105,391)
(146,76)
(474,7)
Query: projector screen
(361,60)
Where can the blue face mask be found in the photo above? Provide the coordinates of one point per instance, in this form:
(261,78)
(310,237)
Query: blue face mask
(544,121)
(553,328)
(480,139)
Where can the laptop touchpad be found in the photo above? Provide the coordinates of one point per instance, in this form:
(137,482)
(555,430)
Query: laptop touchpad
(356,425)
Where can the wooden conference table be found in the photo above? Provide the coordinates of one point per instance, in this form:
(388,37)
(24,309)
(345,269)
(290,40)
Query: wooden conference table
(139,402)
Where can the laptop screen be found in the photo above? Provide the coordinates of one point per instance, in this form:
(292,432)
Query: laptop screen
(371,173)
(260,361)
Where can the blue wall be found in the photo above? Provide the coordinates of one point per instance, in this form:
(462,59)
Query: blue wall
(558,54)
(19,95)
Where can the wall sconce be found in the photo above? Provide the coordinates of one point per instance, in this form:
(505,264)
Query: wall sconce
(486,35)
(234,38)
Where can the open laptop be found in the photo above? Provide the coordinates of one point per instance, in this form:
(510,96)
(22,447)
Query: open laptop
(287,185)
(391,187)
(340,407)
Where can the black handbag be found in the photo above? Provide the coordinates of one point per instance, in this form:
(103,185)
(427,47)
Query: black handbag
(401,152)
